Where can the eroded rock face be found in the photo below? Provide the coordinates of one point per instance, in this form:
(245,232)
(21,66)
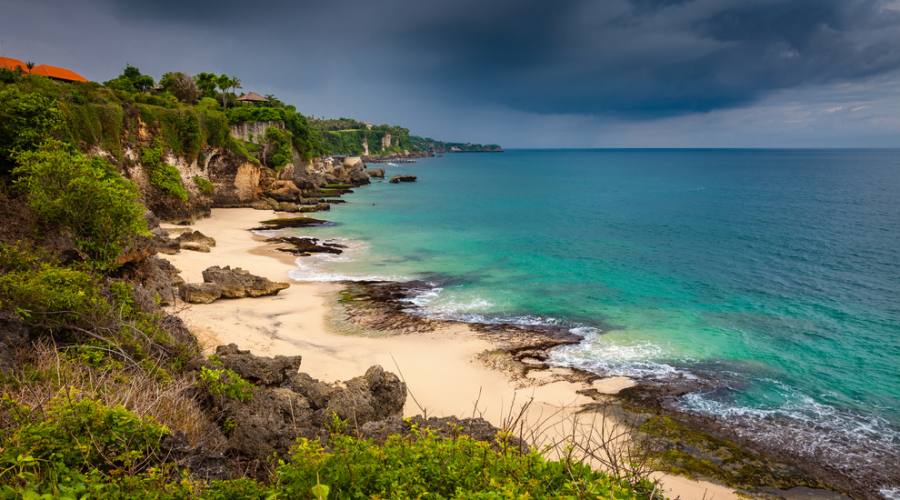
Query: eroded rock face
(237,283)
(376,172)
(246,182)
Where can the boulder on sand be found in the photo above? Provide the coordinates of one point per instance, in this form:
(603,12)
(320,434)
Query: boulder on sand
(237,283)
(200,293)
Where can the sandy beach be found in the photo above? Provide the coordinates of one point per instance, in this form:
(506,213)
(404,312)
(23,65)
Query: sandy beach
(441,368)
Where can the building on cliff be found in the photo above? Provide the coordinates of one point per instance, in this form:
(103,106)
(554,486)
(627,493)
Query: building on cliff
(253,98)
(55,72)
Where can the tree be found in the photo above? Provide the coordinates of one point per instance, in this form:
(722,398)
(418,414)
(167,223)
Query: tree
(181,86)
(206,83)
(131,80)
(227,83)
(26,120)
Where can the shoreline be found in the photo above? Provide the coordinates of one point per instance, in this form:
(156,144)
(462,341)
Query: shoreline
(446,365)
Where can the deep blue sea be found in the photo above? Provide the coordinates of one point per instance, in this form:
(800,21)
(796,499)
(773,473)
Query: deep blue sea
(775,271)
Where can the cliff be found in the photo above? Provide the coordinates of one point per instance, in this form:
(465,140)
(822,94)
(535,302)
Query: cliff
(186,158)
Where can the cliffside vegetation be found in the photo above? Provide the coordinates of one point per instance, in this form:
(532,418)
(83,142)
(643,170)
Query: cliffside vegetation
(105,394)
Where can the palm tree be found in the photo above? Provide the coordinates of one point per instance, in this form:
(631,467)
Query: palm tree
(224,82)
(235,84)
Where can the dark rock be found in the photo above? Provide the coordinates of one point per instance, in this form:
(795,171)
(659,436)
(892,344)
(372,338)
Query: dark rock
(289,222)
(237,283)
(269,423)
(164,244)
(258,369)
(306,246)
(200,293)
(161,278)
(316,392)
(374,396)
(403,178)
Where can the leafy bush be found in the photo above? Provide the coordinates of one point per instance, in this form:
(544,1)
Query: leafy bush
(427,466)
(76,447)
(226,383)
(204,185)
(26,120)
(82,193)
(163,176)
(281,149)
(53,297)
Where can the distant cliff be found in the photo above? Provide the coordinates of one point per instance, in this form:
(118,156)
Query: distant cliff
(347,136)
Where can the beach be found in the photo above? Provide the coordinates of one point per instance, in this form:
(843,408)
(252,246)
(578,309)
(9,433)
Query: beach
(442,368)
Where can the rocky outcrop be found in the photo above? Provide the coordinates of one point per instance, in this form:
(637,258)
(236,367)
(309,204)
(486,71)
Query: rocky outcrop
(286,222)
(376,172)
(200,293)
(286,404)
(225,282)
(403,178)
(305,246)
(195,240)
(237,283)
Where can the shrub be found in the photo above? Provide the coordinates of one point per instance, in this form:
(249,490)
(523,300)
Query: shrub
(224,382)
(427,466)
(53,297)
(78,445)
(280,147)
(82,193)
(163,176)
(204,185)
(26,120)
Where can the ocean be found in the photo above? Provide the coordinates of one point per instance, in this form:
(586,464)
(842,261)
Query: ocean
(774,272)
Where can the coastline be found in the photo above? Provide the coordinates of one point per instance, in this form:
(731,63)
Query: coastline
(448,367)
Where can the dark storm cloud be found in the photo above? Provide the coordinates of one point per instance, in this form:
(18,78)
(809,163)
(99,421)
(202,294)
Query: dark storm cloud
(632,59)
(642,58)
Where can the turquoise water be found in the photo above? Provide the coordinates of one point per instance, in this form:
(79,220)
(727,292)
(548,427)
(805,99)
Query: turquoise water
(775,272)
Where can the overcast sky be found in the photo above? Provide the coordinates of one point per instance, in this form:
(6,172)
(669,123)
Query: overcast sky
(522,73)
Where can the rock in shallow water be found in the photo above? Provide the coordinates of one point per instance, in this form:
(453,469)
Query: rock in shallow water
(403,178)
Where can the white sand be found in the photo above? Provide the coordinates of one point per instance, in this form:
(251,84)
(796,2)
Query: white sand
(441,370)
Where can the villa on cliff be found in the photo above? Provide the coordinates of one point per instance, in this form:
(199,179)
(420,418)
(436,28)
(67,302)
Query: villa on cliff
(54,72)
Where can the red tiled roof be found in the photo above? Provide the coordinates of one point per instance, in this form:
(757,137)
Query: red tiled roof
(57,72)
(12,64)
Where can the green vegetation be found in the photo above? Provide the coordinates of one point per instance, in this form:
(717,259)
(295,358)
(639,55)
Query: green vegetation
(163,176)
(204,185)
(226,383)
(82,446)
(279,145)
(426,466)
(83,194)
(26,119)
